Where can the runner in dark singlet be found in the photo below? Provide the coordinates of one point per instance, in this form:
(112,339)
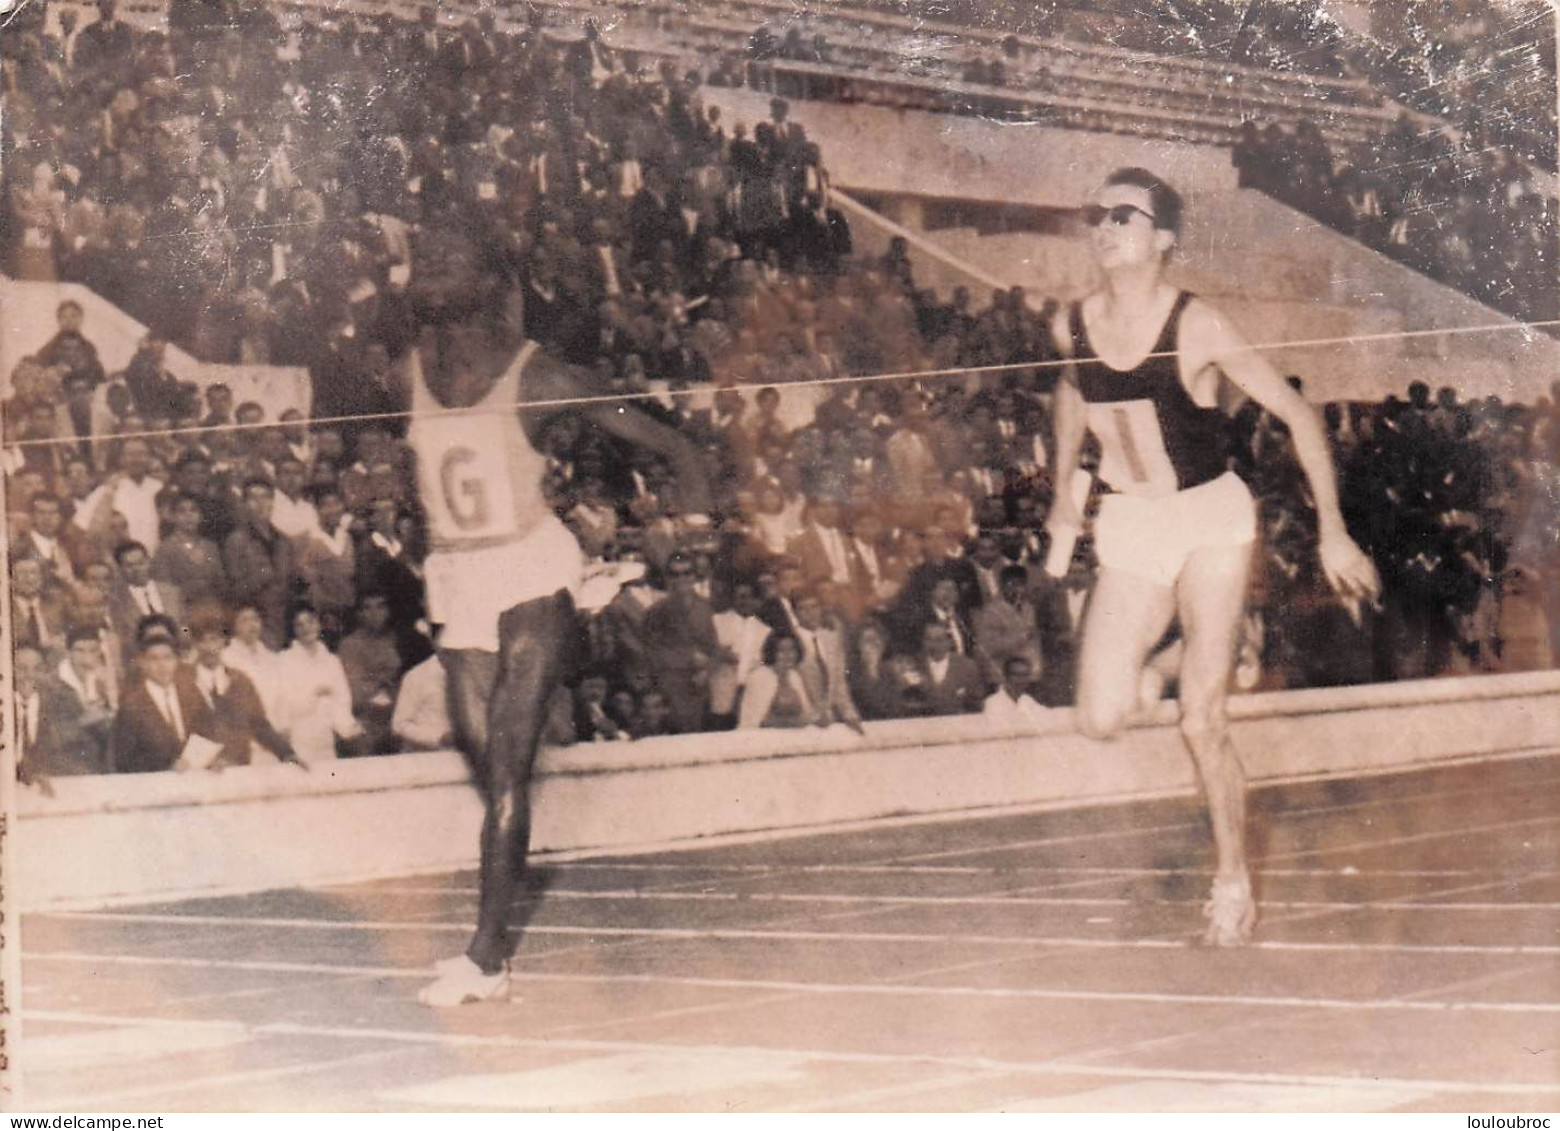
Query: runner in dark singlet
(1174,537)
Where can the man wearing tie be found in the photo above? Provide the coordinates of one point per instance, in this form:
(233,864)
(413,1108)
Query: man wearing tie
(237,713)
(822,548)
(822,666)
(85,673)
(952,682)
(157,717)
(37,615)
(45,541)
(988,562)
(873,587)
(48,724)
(946,612)
(137,596)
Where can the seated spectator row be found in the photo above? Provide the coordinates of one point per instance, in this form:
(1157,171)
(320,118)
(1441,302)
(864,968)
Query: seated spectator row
(876,554)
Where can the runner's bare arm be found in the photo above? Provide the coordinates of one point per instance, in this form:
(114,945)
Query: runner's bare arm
(1069,424)
(1209,338)
(554,381)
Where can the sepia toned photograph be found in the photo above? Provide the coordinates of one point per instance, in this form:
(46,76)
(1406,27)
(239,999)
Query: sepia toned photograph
(780,556)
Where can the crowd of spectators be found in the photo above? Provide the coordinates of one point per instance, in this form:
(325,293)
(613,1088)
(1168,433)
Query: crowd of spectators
(186,568)
(1467,214)
(1456,503)
(261,207)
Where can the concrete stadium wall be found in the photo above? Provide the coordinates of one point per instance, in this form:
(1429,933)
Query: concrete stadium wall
(27,323)
(1281,275)
(935,267)
(113,839)
(881,150)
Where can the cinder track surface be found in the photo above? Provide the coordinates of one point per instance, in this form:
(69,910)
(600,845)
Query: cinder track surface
(1408,959)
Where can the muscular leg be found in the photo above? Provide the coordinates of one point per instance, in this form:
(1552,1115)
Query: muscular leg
(499,708)
(469,678)
(534,643)
(1211,596)
(1127,616)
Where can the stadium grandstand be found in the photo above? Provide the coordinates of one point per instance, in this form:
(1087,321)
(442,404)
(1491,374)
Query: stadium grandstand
(824,247)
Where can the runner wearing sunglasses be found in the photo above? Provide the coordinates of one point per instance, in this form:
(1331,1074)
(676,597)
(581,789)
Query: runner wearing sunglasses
(1174,536)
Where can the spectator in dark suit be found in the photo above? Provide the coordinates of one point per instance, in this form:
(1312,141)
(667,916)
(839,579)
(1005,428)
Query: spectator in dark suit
(384,566)
(261,562)
(681,645)
(952,682)
(822,548)
(84,417)
(105,43)
(55,546)
(48,724)
(933,593)
(37,615)
(653,216)
(153,389)
(218,511)
(372,661)
(136,596)
(239,717)
(69,348)
(157,717)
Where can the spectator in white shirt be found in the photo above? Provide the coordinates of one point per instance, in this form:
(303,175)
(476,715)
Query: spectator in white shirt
(291,513)
(131,492)
(741,633)
(85,671)
(327,562)
(1011,706)
(315,705)
(421,719)
(247,652)
(297,438)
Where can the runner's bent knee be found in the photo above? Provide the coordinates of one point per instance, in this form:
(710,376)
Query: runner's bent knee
(1102,714)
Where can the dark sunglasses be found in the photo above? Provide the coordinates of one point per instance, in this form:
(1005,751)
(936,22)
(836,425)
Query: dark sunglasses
(679,573)
(1120,215)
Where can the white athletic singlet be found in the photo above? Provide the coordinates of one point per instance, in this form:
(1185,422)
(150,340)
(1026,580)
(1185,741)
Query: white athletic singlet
(494,540)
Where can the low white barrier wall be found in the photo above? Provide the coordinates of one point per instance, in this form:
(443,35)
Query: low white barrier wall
(107,839)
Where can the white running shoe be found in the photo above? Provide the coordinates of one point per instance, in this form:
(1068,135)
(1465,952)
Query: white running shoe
(461,981)
(1231,912)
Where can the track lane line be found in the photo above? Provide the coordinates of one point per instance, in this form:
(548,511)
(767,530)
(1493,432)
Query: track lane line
(895,988)
(1057,1067)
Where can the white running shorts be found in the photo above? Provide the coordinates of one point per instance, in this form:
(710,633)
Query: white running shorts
(1152,536)
(469,589)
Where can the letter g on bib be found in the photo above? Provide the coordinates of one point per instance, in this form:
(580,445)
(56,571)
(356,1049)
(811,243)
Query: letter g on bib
(465,491)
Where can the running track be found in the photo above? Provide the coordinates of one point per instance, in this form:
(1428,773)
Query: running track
(1408,960)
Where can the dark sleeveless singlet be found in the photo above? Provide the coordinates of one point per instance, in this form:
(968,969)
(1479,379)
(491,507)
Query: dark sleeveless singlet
(1194,438)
